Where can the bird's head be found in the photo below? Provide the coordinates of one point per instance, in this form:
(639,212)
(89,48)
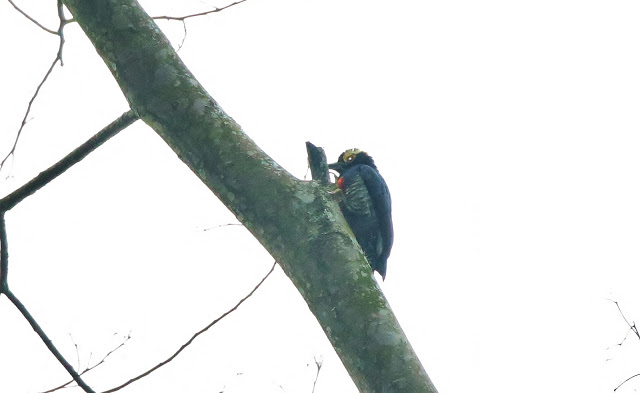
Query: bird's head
(350,158)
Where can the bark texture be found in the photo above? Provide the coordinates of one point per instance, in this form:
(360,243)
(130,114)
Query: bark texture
(298,222)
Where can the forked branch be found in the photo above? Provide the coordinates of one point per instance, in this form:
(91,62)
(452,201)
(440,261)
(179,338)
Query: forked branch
(58,58)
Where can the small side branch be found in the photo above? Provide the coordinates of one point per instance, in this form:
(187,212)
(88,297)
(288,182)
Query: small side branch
(185,345)
(86,370)
(318,163)
(125,120)
(632,326)
(626,380)
(4,255)
(14,198)
(47,341)
(319,367)
(26,114)
(31,19)
(182,18)
(185,17)
(4,288)
(58,58)
(60,33)
(231,224)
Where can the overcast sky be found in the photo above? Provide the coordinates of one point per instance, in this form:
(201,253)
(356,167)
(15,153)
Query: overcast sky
(508,133)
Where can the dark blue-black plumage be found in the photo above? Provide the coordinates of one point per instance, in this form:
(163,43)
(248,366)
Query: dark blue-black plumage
(366,206)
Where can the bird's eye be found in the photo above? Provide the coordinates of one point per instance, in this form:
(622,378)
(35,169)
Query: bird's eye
(350,158)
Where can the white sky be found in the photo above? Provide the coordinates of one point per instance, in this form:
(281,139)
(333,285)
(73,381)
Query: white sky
(508,133)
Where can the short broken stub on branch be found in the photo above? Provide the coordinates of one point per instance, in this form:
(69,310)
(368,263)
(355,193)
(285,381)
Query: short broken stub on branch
(318,163)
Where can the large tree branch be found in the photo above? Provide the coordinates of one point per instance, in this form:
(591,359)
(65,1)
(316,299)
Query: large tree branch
(297,222)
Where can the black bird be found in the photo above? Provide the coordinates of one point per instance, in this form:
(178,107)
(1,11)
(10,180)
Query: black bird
(366,206)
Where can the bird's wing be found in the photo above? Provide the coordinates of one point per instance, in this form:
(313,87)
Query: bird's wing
(381,198)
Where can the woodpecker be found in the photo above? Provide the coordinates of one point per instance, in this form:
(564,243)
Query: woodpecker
(366,206)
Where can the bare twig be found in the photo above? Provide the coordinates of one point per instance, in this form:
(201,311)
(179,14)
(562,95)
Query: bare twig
(185,345)
(47,341)
(31,19)
(223,225)
(72,158)
(319,366)
(625,381)
(26,114)
(185,17)
(184,37)
(77,352)
(632,328)
(182,18)
(86,370)
(60,34)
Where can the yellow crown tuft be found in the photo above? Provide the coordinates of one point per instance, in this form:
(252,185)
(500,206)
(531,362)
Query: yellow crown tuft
(351,154)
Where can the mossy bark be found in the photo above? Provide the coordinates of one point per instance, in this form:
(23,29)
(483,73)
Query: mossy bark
(298,222)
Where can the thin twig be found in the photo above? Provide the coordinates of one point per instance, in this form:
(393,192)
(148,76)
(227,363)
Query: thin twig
(185,17)
(223,225)
(86,370)
(319,366)
(26,114)
(77,352)
(72,158)
(182,18)
(632,326)
(626,380)
(185,345)
(60,34)
(31,19)
(47,341)
(184,37)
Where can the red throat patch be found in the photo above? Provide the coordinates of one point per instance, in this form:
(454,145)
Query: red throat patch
(340,182)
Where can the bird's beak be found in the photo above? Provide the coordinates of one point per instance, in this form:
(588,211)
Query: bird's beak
(337,166)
